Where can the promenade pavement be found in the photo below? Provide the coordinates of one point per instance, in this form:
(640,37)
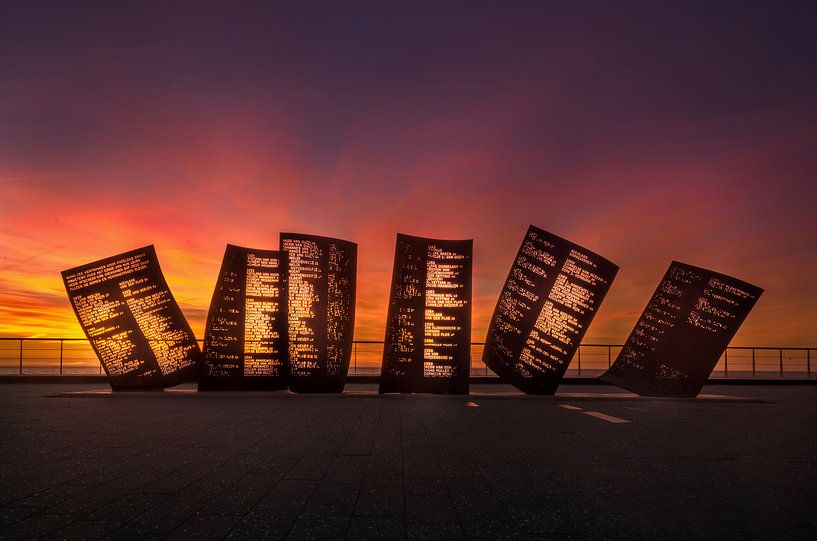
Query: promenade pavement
(592,462)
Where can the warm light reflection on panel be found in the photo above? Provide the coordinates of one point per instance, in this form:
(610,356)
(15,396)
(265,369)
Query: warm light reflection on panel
(245,342)
(428,329)
(686,326)
(136,328)
(322,279)
(551,294)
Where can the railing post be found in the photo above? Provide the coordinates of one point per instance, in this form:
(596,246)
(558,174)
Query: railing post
(21,356)
(580,359)
(61,342)
(753,362)
(609,356)
(354,351)
(808,363)
(726,363)
(781,361)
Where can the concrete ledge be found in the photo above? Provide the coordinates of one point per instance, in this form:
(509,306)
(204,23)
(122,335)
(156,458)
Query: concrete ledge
(45,378)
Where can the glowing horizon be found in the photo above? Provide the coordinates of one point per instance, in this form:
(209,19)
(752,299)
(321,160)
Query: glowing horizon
(193,294)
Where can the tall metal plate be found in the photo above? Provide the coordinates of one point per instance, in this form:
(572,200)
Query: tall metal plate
(322,279)
(684,329)
(428,330)
(132,321)
(550,297)
(245,340)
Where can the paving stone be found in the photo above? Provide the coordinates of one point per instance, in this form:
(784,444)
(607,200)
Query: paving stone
(347,469)
(433,531)
(320,526)
(381,495)
(35,526)
(10,515)
(126,508)
(87,530)
(259,529)
(204,527)
(376,528)
(233,501)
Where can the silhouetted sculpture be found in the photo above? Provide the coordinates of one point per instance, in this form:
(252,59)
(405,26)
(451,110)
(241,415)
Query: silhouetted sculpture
(245,340)
(428,328)
(682,333)
(549,299)
(132,321)
(322,276)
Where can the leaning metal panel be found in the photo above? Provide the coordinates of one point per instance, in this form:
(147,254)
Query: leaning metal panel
(548,301)
(322,279)
(428,329)
(245,340)
(132,321)
(684,329)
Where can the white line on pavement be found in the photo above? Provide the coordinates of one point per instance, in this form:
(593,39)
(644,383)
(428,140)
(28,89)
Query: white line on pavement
(569,407)
(605,417)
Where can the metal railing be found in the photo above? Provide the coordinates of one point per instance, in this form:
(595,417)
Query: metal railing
(61,356)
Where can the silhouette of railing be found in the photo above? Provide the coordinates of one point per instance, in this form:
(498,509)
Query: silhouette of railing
(65,356)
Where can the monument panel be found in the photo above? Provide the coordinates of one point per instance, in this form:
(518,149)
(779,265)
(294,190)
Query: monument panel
(245,340)
(132,321)
(682,333)
(321,301)
(550,297)
(428,330)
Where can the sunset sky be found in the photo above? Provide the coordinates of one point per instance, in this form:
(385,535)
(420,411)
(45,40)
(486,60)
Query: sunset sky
(643,131)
